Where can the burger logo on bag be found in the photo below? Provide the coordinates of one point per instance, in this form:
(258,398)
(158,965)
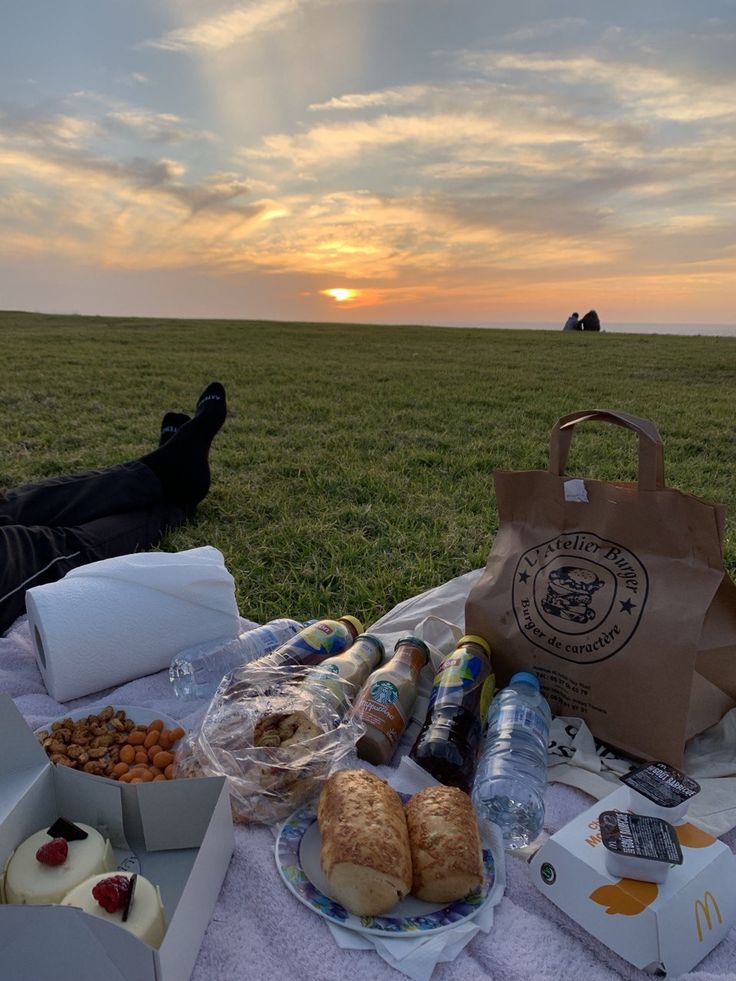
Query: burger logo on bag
(579,596)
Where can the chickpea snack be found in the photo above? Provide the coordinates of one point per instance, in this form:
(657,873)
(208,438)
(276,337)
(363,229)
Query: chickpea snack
(126,744)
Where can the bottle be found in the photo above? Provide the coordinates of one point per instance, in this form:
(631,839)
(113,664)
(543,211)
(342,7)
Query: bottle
(197,671)
(385,702)
(512,772)
(314,643)
(339,678)
(447,745)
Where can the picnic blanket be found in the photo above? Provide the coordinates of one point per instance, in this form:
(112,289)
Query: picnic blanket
(259,929)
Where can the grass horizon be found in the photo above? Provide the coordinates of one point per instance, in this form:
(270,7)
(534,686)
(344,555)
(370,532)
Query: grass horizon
(355,468)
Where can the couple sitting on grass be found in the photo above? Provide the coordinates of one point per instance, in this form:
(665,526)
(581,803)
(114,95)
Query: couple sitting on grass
(50,527)
(590,321)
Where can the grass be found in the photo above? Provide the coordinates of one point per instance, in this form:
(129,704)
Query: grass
(355,468)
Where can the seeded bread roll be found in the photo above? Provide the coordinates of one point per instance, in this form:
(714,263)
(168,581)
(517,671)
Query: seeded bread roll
(446,855)
(365,843)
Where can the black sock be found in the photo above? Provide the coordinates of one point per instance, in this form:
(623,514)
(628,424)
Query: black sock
(170,424)
(181,463)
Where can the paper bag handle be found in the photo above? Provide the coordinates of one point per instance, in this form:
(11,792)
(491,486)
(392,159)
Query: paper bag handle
(651,451)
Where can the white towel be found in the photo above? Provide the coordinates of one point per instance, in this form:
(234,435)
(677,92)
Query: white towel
(108,622)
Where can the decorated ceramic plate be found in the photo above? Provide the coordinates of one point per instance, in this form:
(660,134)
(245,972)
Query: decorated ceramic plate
(297,858)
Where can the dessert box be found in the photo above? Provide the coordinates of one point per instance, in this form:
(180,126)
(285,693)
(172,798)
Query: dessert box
(667,927)
(178,834)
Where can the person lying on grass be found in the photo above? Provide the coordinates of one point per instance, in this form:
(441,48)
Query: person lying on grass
(50,527)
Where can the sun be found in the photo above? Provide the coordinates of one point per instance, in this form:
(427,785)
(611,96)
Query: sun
(341,294)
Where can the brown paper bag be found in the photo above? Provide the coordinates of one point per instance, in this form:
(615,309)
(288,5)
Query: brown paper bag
(614,595)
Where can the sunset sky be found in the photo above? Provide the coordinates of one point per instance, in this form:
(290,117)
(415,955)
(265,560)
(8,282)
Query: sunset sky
(394,161)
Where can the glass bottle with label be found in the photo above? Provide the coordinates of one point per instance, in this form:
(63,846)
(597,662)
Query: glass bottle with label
(448,744)
(341,677)
(314,644)
(384,704)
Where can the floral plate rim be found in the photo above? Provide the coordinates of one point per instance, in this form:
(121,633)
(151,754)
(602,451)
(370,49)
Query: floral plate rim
(291,869)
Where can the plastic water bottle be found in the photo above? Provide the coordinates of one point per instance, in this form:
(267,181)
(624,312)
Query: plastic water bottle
(511,777)
(197,671)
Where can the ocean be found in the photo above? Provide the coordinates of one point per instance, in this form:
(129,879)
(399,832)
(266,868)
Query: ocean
(702,330)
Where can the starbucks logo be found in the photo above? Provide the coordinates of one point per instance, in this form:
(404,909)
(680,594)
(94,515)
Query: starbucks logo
(579,596)
(385,693)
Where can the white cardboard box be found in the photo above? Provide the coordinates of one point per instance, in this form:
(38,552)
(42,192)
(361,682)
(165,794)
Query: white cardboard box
(180,833)
(669,927)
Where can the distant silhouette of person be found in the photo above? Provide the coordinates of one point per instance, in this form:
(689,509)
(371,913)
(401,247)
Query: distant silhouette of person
(55,525)
(590,321)
(572,323)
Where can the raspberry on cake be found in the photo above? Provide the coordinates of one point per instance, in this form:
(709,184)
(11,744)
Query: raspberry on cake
(44,867)
(105,896)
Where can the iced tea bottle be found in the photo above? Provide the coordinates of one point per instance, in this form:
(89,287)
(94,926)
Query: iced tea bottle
(384,704)
(448,743)
(313,644)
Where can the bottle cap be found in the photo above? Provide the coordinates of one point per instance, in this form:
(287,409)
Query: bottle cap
(376,640)
(354,623)
(526,678)
(475,639)
(416,641)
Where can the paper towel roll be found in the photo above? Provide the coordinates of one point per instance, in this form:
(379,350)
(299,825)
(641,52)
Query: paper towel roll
(109,622)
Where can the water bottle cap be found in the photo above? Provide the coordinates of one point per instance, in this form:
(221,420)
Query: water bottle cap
(526,678)
(355,623)
(475,639)
(375,639)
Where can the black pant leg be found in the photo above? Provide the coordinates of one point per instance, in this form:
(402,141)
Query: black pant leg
(36,555)
(77,499)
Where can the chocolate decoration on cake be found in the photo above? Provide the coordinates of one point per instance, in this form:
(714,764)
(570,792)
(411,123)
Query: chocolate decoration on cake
(129,900)
(66,829)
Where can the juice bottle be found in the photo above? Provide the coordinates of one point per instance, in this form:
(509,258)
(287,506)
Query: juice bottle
(341,677)
(316,642)
(385,702)
(448,743)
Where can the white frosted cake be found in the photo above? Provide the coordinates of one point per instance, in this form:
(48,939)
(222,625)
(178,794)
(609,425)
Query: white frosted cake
(29,880)
(145,916)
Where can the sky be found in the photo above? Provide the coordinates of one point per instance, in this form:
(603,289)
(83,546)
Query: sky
(383,161)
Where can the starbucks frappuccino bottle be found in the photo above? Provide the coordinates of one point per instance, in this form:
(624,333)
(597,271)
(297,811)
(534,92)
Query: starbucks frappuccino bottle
(384,704)
(341,677)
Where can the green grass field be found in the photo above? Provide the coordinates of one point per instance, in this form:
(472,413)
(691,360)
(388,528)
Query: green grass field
(355,468)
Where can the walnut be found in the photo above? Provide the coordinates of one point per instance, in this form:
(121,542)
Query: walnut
(95,767)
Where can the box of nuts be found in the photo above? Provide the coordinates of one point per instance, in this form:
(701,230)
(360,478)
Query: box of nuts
(127,744)
(175,835)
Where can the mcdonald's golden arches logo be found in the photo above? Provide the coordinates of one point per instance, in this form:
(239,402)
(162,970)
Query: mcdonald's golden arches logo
(703,906)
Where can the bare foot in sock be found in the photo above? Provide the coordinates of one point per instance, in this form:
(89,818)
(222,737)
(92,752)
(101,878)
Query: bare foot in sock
(170,424)
(182,462)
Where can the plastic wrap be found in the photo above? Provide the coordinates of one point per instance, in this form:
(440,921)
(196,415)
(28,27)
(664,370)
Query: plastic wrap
(274,736)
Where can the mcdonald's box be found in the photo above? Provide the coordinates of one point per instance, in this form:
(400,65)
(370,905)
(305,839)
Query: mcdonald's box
(668,926)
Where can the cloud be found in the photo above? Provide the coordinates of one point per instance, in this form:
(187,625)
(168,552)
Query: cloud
(152,127)
(385,98)
(646,90)
(239,24)
(135,211)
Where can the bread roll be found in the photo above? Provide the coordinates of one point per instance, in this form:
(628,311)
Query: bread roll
(365,843)
(446,855)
